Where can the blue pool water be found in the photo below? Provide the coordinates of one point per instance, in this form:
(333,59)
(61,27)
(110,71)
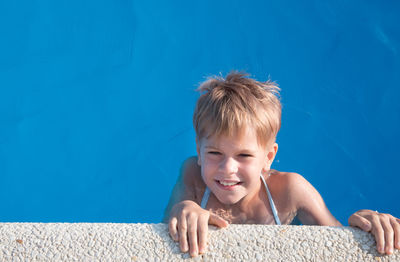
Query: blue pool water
(96,99)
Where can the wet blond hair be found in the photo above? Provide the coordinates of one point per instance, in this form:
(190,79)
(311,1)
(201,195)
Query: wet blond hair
(227,106)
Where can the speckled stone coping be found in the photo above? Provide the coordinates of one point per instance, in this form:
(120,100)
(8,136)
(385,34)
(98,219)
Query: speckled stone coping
(151,242)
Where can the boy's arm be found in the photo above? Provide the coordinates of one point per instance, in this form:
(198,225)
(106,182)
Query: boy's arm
(181,190)
(385,228)
(313,211)
(311,208)
(187,221)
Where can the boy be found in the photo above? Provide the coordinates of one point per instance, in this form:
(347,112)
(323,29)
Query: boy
(230,181)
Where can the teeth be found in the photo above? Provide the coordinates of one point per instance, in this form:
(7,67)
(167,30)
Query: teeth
(227,183)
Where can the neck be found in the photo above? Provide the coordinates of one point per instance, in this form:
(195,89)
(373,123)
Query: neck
(250,201)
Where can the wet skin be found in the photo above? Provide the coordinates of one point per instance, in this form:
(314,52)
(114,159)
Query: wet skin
(230,167)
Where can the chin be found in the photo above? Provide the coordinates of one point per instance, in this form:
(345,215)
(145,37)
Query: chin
(229,200)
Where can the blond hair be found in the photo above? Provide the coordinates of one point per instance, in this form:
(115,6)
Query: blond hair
(227,106)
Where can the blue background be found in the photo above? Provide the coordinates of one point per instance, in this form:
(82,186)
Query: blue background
(96,99)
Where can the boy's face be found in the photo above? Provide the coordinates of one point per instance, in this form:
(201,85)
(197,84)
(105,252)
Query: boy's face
(231,166)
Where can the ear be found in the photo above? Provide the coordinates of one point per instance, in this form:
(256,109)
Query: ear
(271,153)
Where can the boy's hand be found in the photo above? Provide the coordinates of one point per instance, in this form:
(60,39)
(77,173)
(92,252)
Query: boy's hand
(189,220)
(385,228)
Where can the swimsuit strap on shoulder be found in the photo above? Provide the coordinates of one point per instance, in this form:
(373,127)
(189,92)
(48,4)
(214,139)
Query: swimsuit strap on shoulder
(207,192)
(271,202)
(204,200)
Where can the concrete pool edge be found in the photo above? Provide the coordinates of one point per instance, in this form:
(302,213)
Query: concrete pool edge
(151,242)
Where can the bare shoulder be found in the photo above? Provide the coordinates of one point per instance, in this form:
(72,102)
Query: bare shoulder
(191,171)
(292,188)
(288,181)
(293,184)
(184,186)
(304,198)
(192,180)
(189,185)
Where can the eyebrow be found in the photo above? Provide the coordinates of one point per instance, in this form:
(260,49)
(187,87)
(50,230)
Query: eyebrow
(210,147)
(247,151)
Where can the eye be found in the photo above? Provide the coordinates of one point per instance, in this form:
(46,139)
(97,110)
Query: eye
(245,155)
(214,152)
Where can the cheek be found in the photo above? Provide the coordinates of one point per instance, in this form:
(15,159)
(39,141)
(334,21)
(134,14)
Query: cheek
(253,169)
(208,177)
(211,161)
(209,169)
(206,169)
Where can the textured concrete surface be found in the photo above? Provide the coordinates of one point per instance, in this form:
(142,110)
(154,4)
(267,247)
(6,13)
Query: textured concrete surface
(151,242)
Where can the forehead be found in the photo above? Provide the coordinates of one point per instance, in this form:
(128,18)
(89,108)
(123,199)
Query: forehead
(245,139)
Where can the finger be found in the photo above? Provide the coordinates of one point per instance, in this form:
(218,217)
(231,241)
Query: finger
(378,232)
(182,230)
(217,221)
(396,229)
(389,234)
(361,222)
(203,233)
(172,226)
(192,234)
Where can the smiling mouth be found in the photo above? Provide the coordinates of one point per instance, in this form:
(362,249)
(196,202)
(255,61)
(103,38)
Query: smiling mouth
(228,183)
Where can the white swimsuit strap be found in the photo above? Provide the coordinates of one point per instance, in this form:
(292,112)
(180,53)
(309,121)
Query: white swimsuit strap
(207,192)
(271,202)
(205,198)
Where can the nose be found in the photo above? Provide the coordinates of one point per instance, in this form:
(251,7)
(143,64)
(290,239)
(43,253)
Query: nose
(229,165)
